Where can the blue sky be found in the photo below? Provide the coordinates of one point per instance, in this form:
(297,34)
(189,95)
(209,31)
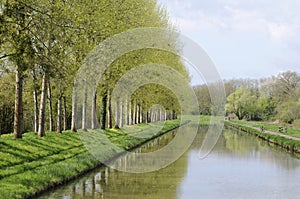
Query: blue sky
(244,38)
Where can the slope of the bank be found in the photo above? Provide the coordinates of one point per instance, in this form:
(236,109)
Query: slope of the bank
(285,143)
(32,164)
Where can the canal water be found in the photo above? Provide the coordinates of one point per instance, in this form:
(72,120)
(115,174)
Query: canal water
(239,167)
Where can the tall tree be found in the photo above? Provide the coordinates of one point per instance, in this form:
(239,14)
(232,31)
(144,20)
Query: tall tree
(15,18)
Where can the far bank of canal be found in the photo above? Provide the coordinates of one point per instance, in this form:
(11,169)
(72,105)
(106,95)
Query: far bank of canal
(289,143)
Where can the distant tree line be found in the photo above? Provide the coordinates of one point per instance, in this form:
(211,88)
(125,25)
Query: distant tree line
(273,98)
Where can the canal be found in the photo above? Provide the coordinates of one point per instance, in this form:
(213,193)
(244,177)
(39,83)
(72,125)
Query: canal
(240,166)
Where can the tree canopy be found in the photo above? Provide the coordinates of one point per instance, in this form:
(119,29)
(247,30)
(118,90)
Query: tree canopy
(43,43)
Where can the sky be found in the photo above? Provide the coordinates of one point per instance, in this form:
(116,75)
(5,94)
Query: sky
(244,38)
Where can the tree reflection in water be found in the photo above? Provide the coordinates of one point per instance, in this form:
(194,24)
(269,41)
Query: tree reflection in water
(233,149)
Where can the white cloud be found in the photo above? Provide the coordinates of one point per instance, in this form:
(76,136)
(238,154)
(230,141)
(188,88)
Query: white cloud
(262,36)
(234,16)
(243,20)
(281,32)
(200,21)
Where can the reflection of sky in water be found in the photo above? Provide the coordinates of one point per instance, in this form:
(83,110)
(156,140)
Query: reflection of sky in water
(240,166)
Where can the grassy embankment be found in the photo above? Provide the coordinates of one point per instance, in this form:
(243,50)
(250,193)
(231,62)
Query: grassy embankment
(288,144)
(32,164)
(271,127)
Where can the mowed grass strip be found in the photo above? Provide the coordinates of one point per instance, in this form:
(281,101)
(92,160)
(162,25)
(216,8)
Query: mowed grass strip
(271,127)
(31,147)
(285,143)
(32,164)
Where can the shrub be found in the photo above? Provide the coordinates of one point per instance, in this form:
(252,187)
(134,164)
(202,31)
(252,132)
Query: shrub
(296,124)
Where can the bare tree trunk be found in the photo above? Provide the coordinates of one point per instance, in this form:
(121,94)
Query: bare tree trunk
(141,114)
(109,112)
(121,114)
(59,116)
(137,114)
(18,116)
(36,112)
(148,117)
(126,112)
(35,106)
(117,115)
(42,115)
(84,107)
(160,114)
(74,111)
(152,116)
(65,114)
(129,114)
(50,108)
(103,111)
(134,112)
(94,109)
(174,115)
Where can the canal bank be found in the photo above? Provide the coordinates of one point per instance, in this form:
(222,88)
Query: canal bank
(286,142)
(33,165)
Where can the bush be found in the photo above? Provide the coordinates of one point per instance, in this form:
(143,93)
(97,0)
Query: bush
(296,124)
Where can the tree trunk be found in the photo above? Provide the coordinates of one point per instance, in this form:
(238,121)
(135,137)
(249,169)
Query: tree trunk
(137,114)
(103,111)
(84,107)
(50,108)
(134,112)
(59,116)
(74,112)
(35,104)
(117,115)
(174,115)
(18,116)
(65,114)
(129,114)
(147,117)
(42,115)
(151,116)
(158,114)
(94,126)
(109,112)
(141,114)
(126,112)
(121,114)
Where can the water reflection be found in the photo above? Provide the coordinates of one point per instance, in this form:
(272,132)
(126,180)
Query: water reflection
(240,166)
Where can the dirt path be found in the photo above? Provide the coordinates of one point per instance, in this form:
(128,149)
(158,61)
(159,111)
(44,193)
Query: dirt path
(273,133)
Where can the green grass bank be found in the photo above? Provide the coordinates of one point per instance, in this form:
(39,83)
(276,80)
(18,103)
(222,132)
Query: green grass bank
(290,145)
(32,165)
(269,126)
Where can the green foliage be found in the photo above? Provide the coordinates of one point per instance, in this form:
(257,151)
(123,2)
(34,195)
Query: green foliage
(242,102)
(296,123)
(6,103)
(289,111)
(265,108)
(204,100)
(275,97)
(38,36)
